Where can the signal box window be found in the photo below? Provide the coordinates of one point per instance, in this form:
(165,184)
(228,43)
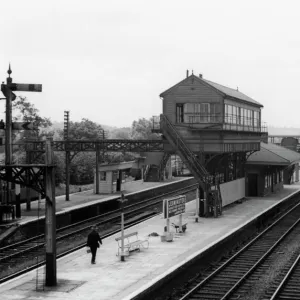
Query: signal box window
(179,113)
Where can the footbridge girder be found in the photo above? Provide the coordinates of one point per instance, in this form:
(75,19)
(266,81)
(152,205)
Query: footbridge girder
(98,145)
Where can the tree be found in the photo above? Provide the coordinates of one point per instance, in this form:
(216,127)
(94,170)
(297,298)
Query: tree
(84,163)
(26,112)
(142,130)
(85,130)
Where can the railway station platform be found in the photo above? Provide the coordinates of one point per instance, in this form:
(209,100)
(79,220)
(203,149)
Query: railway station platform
(83,198)
(110,278)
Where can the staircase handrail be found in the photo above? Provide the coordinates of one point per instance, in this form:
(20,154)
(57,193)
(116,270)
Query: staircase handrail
(146,172)
(163,163)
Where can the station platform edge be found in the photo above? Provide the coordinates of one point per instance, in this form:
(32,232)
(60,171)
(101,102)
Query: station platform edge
(110,278)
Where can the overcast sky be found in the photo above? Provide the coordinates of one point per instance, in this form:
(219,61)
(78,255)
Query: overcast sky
(108,61)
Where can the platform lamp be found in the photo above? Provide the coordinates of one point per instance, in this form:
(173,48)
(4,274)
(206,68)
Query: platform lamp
(122,201)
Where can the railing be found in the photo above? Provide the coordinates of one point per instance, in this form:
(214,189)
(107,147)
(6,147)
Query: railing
(146,172)
(199,118)
(230,122)
(188,155)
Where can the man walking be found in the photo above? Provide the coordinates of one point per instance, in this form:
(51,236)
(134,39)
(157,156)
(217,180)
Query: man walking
(93,242)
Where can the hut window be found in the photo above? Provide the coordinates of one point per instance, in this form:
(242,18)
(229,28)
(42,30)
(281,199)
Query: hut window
(102,176)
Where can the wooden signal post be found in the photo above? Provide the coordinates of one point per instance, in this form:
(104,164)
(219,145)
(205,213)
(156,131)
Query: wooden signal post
(8,132)
(7,89)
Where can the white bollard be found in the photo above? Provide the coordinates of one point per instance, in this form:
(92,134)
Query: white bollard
(197,206)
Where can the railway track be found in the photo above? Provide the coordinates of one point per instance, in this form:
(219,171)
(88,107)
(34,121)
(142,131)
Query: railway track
(289,287)
(234,278)
(33,249)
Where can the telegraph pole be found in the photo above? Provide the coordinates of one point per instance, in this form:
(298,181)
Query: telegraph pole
(97,168)
(66,137)
(51,279)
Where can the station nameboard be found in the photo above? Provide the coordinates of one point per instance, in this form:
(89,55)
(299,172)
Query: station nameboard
(174,206)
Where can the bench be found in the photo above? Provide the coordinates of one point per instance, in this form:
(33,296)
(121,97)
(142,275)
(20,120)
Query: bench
(131,243)
(176,226)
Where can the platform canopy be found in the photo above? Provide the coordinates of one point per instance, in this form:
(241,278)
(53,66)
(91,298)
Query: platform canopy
(123,165)
(271,154)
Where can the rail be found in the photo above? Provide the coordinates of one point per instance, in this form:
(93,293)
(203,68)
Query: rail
(246,261)
(289,286)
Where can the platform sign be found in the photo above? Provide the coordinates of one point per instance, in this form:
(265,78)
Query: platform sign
(23,126)
(174,206)
(23,87)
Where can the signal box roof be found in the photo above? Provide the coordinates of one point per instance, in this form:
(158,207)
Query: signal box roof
(271,154)
(221,89)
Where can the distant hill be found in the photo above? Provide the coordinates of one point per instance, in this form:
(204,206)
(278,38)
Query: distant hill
(272,130)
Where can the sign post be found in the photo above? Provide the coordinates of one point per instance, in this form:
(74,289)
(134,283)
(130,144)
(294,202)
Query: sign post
(197,205)
(122,200)
(50,218)
(172,207)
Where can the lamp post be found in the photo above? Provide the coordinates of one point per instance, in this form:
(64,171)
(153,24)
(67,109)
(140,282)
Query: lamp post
(122,200)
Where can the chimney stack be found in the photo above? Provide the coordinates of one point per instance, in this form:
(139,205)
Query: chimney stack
(187,73)
(200,75)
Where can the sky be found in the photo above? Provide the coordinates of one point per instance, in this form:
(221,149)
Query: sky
(108,61)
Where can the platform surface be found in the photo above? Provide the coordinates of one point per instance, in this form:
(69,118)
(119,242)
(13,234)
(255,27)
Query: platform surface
(110,278)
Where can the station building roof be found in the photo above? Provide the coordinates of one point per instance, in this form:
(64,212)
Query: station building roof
(271,154)
(221,89)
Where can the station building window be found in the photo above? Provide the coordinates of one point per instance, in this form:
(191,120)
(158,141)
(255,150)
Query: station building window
(103,176)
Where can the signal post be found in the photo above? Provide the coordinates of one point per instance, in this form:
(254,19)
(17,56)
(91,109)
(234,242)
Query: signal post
(7,90)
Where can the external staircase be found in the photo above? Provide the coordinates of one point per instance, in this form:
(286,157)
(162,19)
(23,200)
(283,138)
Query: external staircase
(205,180)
